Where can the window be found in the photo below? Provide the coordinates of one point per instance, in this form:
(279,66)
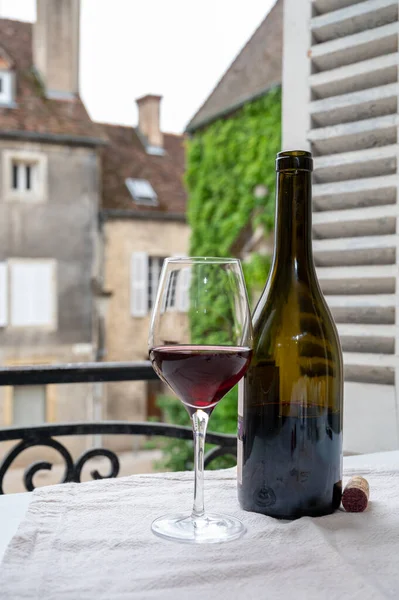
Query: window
(171,293)
(29,405)
(28,293)
(183,296)
(155,150)
(24,176)
(154,271)
(6,87)
(3,294)
(145,273)
(144,280)
(178,287)
(142,192)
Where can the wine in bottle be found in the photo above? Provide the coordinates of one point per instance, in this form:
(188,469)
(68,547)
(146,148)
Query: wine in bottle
(290,400)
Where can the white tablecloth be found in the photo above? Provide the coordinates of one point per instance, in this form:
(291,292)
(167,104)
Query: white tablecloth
(93,541)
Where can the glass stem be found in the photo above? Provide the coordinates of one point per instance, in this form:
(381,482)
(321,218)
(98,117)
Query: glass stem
(200,422)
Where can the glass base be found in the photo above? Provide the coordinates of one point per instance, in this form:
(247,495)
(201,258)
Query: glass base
(209,529)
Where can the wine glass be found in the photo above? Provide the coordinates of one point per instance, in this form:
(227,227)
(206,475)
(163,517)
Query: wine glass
(200,344)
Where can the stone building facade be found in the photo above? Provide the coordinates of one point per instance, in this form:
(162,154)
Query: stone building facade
(143,221)
(49,201)
(72,222)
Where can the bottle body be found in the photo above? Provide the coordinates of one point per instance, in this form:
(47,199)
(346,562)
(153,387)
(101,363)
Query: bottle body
(290,401)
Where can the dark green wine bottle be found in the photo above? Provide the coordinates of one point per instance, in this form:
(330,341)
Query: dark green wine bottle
(290,401)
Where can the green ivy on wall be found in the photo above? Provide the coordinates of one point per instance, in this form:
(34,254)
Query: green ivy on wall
(225,164)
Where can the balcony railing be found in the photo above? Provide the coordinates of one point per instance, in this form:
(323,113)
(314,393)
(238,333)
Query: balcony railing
(44,435)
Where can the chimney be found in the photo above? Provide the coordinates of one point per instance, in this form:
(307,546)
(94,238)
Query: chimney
(149,121)
(56,46)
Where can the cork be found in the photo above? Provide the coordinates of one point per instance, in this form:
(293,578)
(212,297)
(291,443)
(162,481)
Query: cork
(355,496)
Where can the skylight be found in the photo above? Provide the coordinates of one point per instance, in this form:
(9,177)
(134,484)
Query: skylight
(6,87)
(142,191)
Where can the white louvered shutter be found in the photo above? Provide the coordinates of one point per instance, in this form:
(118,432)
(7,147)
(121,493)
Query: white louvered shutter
(29,405)
(345,110)
(183,290)
(3,295)
(44,294)
(32,293)
(139,284)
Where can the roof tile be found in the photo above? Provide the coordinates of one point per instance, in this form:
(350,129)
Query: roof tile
(34,112)
(125,157)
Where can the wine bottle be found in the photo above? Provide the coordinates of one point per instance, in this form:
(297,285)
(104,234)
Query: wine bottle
(290,400)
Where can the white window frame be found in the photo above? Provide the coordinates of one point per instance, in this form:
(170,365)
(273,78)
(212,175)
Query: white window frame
(3,294)
(183,290)
(21,170)
(171,301)
(7,93)
(142,298)
(52,325)
(51,390)
(39,162)
(154,271)
(139,284)
(176,298)
(45,406)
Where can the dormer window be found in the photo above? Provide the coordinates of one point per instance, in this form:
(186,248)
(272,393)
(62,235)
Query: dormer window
(155,150)
(6,88)
(142,192)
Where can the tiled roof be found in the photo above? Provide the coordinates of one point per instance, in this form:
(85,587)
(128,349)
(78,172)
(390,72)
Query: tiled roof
(125,157)
(257,68)
(34,113)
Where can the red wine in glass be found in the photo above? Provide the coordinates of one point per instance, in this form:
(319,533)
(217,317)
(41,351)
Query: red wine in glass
(200,375)
(198,372)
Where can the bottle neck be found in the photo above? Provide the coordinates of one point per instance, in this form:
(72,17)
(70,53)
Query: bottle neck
(293,228)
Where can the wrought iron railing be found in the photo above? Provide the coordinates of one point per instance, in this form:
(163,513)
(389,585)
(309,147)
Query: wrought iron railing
(43,435)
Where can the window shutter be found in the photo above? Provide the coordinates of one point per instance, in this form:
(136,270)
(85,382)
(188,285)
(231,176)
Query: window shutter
(29,405)
(44,294)
(183,290)
(139,284)
(3,295)
(21,294)
(32,294)
(166,292)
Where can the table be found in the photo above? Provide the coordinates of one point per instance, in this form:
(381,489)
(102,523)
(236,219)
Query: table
(12,510)
(259,555)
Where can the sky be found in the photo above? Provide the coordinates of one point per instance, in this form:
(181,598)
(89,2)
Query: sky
(176,48)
